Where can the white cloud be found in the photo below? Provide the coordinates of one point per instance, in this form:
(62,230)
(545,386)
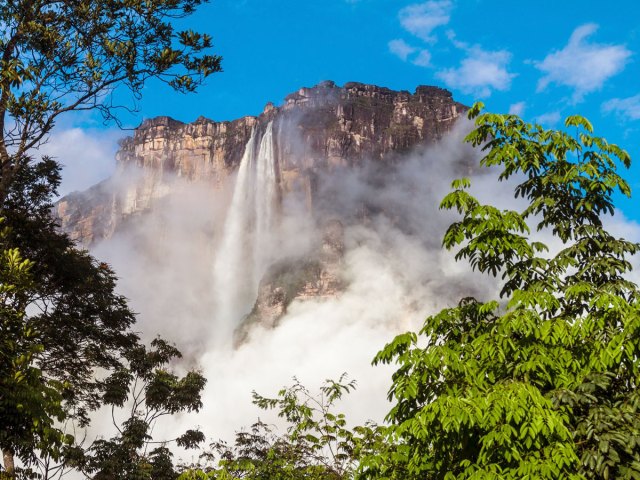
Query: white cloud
(517,108)
(581,65)
(423,59)
(401,49)
(421,19)
(480,72)
(87,155)
(628,108)
(550,118)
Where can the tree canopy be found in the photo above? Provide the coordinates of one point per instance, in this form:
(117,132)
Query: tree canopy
(68,345)
(147,390)
(317,444)
(544,382)
(67,319)
(29,404)
(71,55)
(62,321)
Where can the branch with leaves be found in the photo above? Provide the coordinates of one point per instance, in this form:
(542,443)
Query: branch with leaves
(543,384)
(318,444)
(62,56)
(146,391)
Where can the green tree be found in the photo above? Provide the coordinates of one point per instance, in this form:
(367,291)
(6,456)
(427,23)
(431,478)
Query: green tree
(24,393)
(73,351)
(65,325)
(146,391)
(61,56)
(544,383)
(317,444)
(57,57)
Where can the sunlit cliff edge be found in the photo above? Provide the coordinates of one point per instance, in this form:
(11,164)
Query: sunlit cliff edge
(317,129)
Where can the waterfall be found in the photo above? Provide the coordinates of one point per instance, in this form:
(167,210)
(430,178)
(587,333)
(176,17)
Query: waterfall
(241,259)
(265,202)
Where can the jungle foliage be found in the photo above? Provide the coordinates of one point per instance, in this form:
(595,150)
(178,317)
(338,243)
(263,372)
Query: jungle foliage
(62,321)
(543,382)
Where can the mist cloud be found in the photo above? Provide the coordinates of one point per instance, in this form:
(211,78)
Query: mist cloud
(87,156)
(394,269)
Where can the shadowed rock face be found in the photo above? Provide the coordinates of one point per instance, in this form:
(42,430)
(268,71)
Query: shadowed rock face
(317,129)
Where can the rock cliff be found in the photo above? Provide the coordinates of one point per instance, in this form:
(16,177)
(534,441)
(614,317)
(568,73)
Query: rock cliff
(317,129)
(317,138)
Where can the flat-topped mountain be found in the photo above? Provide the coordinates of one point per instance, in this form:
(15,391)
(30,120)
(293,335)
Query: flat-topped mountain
(315,129)
(261,212)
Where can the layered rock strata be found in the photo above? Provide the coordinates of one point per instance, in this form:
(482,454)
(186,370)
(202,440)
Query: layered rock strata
(317,129)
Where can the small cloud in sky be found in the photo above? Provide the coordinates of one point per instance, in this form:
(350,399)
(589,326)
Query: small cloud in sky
(421,19)
(87,156)
(423,59)
(480,72)
(517,108)
(582,65)
(628,108)
(401,49)
(549,119)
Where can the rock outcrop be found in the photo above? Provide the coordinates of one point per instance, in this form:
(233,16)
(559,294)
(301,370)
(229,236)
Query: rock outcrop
(317,129)
(314,277)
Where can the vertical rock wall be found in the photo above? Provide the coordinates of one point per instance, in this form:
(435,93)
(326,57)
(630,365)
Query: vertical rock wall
(316,129)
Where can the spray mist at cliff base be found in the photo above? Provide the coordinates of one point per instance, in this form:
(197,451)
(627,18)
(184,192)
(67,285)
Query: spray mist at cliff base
(192,269)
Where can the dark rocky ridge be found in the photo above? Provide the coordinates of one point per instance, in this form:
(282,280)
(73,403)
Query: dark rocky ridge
(319,129)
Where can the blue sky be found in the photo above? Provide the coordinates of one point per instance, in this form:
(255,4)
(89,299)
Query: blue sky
(543,60)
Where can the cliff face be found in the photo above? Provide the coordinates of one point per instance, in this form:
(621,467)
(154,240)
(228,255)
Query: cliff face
(317,129)
(310,147)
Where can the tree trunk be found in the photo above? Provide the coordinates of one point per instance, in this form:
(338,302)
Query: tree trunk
(9,466)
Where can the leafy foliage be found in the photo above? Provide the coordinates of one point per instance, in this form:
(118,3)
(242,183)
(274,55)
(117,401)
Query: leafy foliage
(61,56)
(64,329)
(30,405)
(62,321)
(67,322)
(147,391)
(81,323)
(317,445)
(544,384)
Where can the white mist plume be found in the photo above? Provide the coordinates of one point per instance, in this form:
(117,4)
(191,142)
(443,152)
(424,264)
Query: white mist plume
(394,267)
(395,271)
